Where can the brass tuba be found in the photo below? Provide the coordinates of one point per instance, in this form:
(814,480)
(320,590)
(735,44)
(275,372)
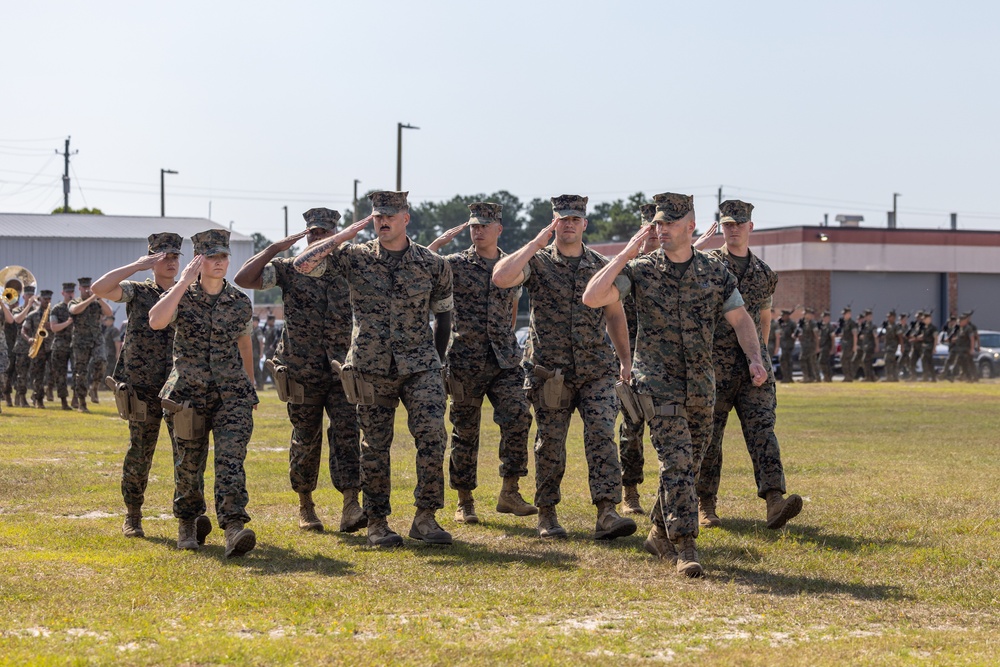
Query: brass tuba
(14,279)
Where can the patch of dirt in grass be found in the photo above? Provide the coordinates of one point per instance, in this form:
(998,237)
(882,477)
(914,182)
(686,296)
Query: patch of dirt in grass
(93,514)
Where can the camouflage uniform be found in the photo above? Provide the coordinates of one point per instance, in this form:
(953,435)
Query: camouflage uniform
(208,371)
(22,362)
(916,345)
(864,356)
(677,318)
(630,433)
(86,334)
(483,357)
(755,406)
(807,341)
(927,358)
(963,345)
(97,370)
(565,334)
(392,345)
(891,339)
(788,328)
(256,348)
(847,349)
(144,364)
(317,332)
(11,333)
(62,348)
(37,366)
(826,332)
(904,347)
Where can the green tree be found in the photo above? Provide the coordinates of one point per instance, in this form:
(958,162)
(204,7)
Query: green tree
(269,296)
(84,211)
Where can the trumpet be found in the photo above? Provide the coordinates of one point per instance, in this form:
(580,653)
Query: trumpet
(41,334)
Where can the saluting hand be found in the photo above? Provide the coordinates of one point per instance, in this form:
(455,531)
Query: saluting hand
(287,242)
(356,227)
(147,261)
(703,239)
(634,245)
(447,237)
(190,272)
(543,237)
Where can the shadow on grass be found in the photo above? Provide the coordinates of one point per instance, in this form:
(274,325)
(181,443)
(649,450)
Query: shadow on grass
(269,559)
(808,534)
(780,584)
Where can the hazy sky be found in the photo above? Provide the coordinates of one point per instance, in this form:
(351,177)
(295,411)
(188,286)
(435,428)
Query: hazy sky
(802,108)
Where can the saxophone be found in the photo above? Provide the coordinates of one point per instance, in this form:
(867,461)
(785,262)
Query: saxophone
(41,334)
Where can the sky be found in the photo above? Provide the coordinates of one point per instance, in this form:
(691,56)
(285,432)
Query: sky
(801,108)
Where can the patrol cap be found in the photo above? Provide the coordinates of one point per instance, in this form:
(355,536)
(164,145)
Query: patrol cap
(647,211)
(866,312)
(966,315)
(386,202)
(321,217)
(811,311)
(919,313)
(30,289)
(891,313)
(485,213)
(845,310)
(786,311)
(734,211)
(167,242)
(211,242)
(69,287)
(672,206)
(45,293)
(565,206)
(826,313)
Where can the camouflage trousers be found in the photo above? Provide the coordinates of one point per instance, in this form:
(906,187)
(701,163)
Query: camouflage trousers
(864,358)
(97,370)
(423,396)
(36,372)
(142,438)
(916,352)
(891,366)
(967,366)
(81,365)
(306,446)
(598,406)
(826,365)
(847,363)
(786,364)
(4,362)
(22,369)
(810,366)
(504,388)
(755,408)
(60,364)
(950,364)
(630,450)
(927,362)
(680,444)
(231,425)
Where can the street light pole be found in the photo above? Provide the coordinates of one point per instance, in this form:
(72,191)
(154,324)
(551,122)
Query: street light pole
(163,208)
(894,196)
(354,204)
(399,152)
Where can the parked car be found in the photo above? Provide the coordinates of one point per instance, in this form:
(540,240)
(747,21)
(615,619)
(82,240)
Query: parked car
(987,360)
(522,337)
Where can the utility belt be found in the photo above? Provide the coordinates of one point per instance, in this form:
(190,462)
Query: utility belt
(642,408)
(189,424)
(290,391)
(130,406)
(358,390)
(555,394)
(456,390)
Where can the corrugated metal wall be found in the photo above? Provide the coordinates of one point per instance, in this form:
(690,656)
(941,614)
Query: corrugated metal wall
(980,292)
(55,261)
(881,291)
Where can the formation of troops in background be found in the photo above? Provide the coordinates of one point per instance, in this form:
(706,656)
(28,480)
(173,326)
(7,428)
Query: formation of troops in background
(902,344)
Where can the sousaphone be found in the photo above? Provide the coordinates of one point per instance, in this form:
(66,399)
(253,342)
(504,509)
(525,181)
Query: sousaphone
(14,279)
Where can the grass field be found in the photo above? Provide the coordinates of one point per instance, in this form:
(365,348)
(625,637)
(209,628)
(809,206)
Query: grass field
(895,558)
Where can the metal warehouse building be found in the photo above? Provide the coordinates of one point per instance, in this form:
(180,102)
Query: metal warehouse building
(62,247)
(828,268)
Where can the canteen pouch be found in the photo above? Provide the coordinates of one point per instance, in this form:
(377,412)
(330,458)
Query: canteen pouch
(629,402)
(280,375)
(188,424)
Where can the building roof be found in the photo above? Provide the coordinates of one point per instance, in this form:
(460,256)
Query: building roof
(76,225)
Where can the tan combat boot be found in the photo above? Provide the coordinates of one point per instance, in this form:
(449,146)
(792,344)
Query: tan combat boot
(548,524)
(133,522)
(425,527)
(83,404)
(511,502)
(239,540)
(687,557)
(202,527)
(37,401)
(780,510)
(352,517)
(380,535)
(19,400)
(706,513)
(658,544)
(307,513)
(609,524)
(76,401)
(630,501)
(48,395)
(93,392)
(65,403)
(466,512)
(186,538)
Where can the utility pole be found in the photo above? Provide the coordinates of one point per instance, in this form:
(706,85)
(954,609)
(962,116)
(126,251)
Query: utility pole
(66,154)
(718,209)
(892,219)
(399,152)
(163,207)
(354,209)
(287,253)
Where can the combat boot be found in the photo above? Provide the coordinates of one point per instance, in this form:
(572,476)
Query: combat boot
(352,517)
(48,395)
(65,403)
(687,557)
(20,401)
(548,523)
(425,527)
(133,522)
(630,501)
(307,513)
(38,400)
(658,544)
(466,512)
(609,524)
(93,392)
(511,502)
(76,401)
(780,510)
(83,404)
(186,537)
(380,535)
(202,527)
(706,513)
(6,398)
(239,540)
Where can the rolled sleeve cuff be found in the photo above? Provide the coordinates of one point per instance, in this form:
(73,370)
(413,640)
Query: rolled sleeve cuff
(443,305)
(128,291)
(269,276)
(734,301)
